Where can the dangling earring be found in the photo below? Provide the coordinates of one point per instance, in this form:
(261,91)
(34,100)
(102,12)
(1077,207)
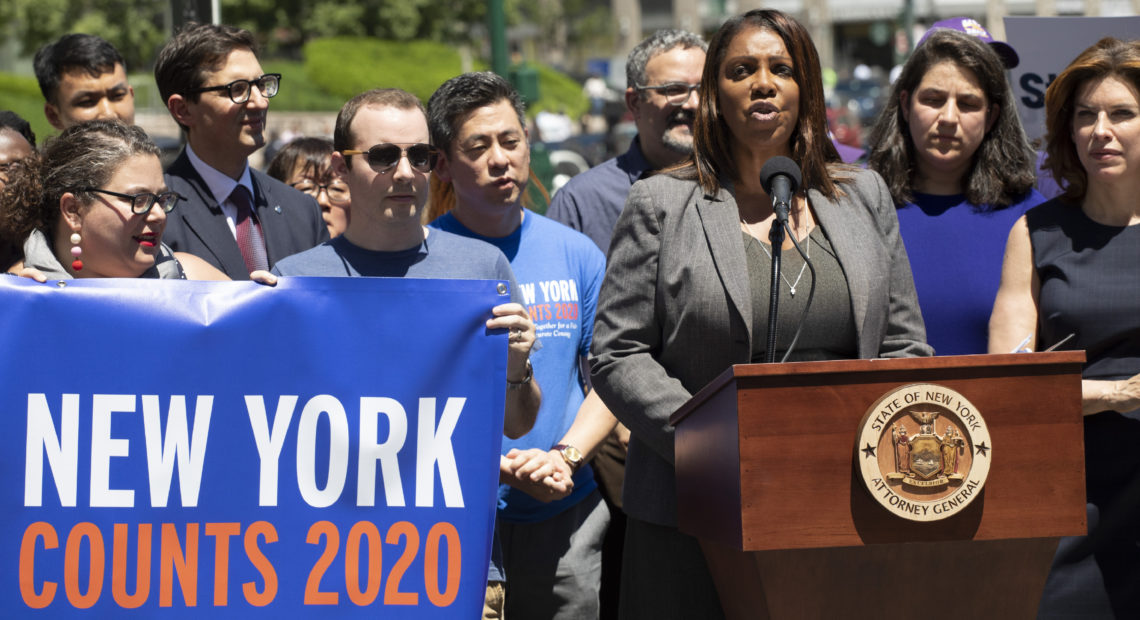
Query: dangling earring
(76,265)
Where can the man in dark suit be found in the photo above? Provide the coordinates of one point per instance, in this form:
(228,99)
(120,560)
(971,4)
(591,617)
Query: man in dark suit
(234,217)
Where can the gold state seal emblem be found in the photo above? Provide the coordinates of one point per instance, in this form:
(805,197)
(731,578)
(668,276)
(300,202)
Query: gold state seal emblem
(924,451)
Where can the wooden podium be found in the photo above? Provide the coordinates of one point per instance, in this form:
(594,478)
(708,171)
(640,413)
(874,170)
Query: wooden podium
(767,479)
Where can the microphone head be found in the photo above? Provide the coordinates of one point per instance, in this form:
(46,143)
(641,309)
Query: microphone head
(777,166)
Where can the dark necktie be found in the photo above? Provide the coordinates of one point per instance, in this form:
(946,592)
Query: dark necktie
(249,238)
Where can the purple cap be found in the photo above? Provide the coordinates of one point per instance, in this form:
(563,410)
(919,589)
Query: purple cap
(971,27)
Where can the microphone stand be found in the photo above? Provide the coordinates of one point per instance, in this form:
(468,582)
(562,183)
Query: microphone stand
(776,238)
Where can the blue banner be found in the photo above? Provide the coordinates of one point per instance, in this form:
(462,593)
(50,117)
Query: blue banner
(325,447)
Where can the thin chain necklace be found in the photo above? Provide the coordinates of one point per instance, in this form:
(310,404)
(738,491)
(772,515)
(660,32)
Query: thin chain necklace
(807,254)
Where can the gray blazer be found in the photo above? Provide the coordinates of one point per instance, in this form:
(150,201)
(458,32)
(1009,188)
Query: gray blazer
(675,309)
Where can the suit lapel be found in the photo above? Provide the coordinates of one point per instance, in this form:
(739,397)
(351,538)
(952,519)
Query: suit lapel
(850,249)
(721,222)
(204,217)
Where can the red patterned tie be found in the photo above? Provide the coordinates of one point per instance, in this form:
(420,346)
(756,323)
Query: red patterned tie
(249,238)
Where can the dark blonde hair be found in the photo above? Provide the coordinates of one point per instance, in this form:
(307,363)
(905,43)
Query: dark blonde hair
(810,145)
(1107,57)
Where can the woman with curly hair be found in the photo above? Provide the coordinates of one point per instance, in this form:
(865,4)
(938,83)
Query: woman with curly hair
(94,205)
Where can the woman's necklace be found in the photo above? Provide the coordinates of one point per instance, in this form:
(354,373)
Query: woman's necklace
(807,254)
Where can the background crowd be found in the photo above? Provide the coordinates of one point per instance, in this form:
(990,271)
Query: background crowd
(658,261)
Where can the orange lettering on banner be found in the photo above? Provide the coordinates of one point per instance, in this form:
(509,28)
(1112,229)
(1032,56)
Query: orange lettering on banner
(261,563)
(171,556)
(71,565)
(28,565)
(439,531)
(221,533)
(313,594)
(392,594)
(119,567)
(362,529)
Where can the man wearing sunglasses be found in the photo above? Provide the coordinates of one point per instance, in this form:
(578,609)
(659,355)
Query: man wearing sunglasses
(550,540)
(383,153)
(236,218)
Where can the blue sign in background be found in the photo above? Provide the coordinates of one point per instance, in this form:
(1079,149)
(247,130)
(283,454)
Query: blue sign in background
(98,358)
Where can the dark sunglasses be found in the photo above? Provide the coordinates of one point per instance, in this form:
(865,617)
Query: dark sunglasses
(422,157)
(142,202)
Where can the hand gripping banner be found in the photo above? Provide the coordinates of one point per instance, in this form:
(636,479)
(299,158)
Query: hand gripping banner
(190,449)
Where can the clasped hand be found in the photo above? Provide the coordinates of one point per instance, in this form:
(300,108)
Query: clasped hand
(542,474)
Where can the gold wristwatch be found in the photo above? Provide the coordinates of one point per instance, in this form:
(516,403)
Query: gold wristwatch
(571,455)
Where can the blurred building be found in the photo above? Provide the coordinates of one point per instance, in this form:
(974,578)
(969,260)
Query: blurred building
(847,32)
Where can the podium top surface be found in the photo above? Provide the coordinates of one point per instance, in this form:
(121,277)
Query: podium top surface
(877,365)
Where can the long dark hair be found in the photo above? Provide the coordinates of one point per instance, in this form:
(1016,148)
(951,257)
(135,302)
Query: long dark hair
(1004,166)
(811,147)
(1107,57)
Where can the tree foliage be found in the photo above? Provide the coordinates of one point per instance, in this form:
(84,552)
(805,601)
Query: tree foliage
(134,27)
(346,66)
(286,25)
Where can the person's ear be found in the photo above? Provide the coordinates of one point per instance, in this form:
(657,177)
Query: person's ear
(339,164)
(52,114)
(904,99)
(632,100)
(443,168)
(69,207)
(180,109)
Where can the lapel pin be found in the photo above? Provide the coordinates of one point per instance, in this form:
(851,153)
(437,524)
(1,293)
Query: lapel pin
(277,208)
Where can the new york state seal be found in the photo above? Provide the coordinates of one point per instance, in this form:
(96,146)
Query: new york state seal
(924,451)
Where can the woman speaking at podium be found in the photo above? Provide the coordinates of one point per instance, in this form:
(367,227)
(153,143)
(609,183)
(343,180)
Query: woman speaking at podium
(686,290)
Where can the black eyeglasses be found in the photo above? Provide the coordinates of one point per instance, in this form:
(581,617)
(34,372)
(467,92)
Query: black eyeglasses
(422,157)
(239,90)
(676,93)
(142,202)
(336,191)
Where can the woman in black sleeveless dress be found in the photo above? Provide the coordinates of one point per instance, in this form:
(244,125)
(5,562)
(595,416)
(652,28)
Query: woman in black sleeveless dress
(1072,266)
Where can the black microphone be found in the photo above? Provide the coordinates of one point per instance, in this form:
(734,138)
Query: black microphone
(780,177)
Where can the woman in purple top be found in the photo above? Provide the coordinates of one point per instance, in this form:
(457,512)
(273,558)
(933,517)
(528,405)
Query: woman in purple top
(960,169)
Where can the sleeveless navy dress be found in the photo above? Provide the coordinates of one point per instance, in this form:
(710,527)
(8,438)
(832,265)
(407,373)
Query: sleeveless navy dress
(1090,287)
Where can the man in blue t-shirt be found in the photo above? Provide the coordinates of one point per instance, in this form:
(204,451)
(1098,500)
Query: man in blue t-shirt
(383,154)
(551,539)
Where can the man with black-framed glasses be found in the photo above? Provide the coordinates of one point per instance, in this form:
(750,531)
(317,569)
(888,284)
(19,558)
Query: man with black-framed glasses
(234,217)
(662,75)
